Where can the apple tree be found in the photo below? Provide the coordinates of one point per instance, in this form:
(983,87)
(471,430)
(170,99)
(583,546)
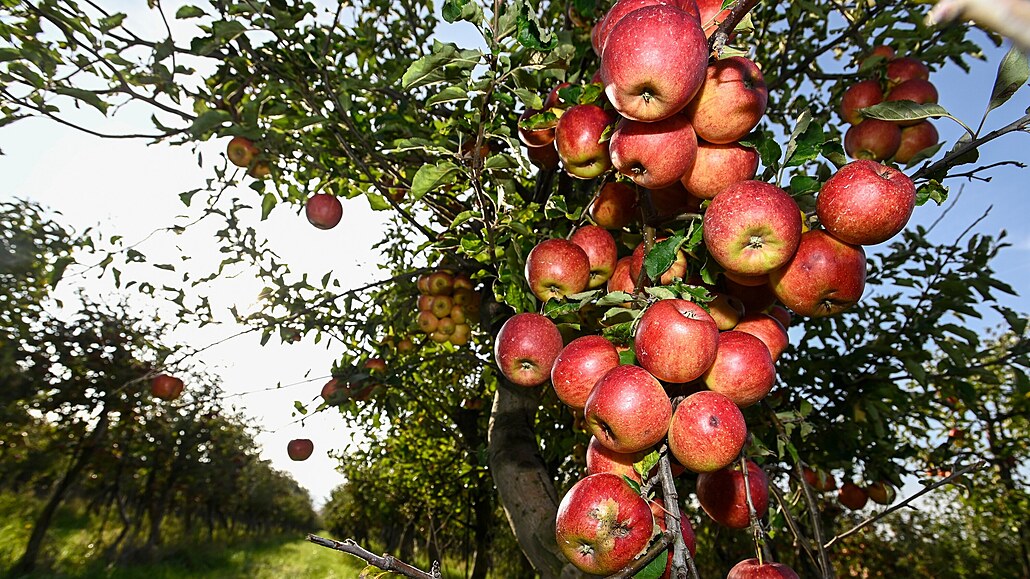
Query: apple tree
(444,116)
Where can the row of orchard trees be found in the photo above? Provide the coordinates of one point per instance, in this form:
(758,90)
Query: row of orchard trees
(364,99)
(81,430)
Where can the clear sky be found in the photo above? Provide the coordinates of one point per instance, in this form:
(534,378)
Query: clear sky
(124,187)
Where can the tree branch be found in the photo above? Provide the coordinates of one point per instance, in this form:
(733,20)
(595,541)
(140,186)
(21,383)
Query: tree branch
(949,160)
(717,42)
(385,562)
(979,465)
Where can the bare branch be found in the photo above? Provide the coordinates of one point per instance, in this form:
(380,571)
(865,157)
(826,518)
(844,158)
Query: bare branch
(950,160)
(385,562)
(980,465)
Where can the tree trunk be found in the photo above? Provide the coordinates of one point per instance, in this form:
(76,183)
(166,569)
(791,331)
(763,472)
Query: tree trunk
(27,563)
(524,486)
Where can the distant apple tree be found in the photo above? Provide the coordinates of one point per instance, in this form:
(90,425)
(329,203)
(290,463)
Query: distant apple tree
(414,107)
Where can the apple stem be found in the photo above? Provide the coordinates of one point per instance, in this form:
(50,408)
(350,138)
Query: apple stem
(385,562)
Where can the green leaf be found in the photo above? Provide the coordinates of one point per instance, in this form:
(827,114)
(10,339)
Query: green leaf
(529,33)
(896,111)
(267,204)
(644,465)
(86,96)
(439,65)
(57,272)
(931,190)
(468,10)
(430,177)
(923,155)
(614,299)
(376,201)
(111,21)
(9,54)
(654,569)
(662,256)
(529,98)
(187,11)
(558,308)
(208,121)
(544,120)
(447,95)
(801,184)
(627,357)
(1013,72)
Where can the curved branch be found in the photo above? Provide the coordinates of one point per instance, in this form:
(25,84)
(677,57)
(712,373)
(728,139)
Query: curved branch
(721,36)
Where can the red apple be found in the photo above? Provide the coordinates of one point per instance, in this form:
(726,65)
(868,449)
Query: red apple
(677,270)
(375,365)
(726,310)
(755,298)
(602,459)
(752,228)
(743,370)
(330,388)
(622,280)
(719,166)
(241,151)
(526,348)
(866,203)
(821,481)
(707,432)
(427,322)
(260,170)
(539,135)
(654,62)
(781,314)
(881,493)
(323,210)
(579,366)
(669,202)
(885,53)
(578,140)
(440,283)
(852,496)
(873,139)
(628,410)
(554,100)
(653,154)
(676,340)
(602,524)
(905,68)
(602,254)
(723,496)
(768,330)
(615,206)
(556,268)
(825,277)
(712,15)
(441,306)
(754,569)
(686,529)
(545,157)
(405,346)
(166,387)
(859,96)
(915,139)
(622,8)
(300,449)
(916,90)
(731,101)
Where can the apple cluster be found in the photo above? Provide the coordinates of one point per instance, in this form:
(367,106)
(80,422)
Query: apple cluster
(667,119)
(447,307)
(897,79)
(850,494)
(243,153)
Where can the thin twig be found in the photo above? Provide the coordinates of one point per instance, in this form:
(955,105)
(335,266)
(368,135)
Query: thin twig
(979,465)
(949,160)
